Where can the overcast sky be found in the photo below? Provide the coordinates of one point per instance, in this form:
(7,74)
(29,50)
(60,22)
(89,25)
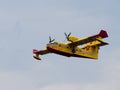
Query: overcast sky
(27,24)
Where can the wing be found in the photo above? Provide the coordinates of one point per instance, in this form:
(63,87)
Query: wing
(40,52)
(102,34)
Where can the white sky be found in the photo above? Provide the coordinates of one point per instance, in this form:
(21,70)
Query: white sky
(27,24)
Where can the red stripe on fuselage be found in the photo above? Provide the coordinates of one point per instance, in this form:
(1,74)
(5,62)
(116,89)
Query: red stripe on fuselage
(59,52)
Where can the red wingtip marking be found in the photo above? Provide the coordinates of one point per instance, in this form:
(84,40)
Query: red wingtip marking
(103,34)
(35,50)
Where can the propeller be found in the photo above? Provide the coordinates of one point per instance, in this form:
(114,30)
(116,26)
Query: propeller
(51,40)
(67,36)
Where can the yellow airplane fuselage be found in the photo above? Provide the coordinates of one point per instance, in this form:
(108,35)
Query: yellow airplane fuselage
(65,50)
(87,47)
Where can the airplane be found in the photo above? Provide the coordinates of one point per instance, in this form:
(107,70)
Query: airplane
(87,47)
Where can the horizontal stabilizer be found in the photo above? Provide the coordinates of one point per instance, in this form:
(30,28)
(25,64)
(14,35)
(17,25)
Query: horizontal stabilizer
(101,43)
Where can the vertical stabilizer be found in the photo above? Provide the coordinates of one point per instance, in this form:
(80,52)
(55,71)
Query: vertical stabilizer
(103,34)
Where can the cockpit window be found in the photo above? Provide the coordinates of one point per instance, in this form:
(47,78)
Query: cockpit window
(55,43)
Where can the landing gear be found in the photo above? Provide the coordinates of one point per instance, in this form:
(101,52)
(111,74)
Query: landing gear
(73,50)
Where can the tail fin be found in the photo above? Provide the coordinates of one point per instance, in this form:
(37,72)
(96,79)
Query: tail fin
(103,34)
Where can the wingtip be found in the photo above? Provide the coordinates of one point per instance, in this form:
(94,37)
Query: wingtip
(37,57)
(35,50)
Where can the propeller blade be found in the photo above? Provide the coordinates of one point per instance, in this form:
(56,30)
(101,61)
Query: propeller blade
(67,35)
(51,40)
